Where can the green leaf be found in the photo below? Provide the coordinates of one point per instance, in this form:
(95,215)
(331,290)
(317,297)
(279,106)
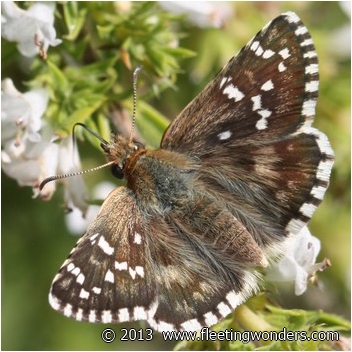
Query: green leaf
(75,18)
(98,77)
(105,31)
(79,115)
(57,76)
(180,53)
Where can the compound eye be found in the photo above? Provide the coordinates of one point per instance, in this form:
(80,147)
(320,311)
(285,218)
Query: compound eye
(138,145)
(117,171)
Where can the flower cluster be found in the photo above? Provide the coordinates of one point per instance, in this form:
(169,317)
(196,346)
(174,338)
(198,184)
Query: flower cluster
(30,150)
(32,29)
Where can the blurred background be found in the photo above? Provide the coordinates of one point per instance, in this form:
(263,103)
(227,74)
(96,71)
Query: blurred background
(35,238)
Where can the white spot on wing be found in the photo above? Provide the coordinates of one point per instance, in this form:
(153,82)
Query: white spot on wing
(210,319)
(233,299)
(257,102)
(140,271)
(132,273)
(223,81)
(268,54)
(292,17)
(139,313)
(223,309)
(233,92)
(106,316)
(121,266)
(284,53)
(104,245)
(76,271)
(311,69)
(84,294)
(295,226)
(92,238)
(308,209)
(68,310)
(308,108)
(254,46)
(259,51)
(53,301)
(312,86)
(70,267)
(281,67)
(310,55)
(137,238)
(268,85)
(92,316)
(324,170)
(318,192)
(80,278)
(301,30)
(307,42)
(264,113)
(123,315)
(109,276)
(262,124)
(79,314)
(96,290)
(223,136)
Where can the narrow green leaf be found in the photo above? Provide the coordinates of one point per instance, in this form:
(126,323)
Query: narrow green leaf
(57,76)
(80,115)
(75,18)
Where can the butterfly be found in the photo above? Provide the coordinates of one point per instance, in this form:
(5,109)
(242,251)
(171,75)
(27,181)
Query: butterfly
(239,171)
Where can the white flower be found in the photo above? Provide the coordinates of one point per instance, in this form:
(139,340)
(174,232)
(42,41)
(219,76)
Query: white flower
(21,111)
(201,13)
(298,264)
(28,162)
(75,222)
(33,29)
(29,154)
(22,145)
(68,163)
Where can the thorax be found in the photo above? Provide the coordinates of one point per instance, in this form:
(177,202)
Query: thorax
(160,179)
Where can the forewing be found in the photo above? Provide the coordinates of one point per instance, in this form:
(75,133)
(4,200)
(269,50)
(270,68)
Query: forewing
(267,91)
(251,130)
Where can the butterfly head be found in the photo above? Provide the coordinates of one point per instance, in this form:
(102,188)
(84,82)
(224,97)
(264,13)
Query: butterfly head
(119,151)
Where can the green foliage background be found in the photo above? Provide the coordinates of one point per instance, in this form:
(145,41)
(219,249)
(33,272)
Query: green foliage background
(35,240)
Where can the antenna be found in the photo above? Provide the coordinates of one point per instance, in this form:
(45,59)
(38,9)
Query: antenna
(59,177)
(96,135)
(101,139)
(135,78)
